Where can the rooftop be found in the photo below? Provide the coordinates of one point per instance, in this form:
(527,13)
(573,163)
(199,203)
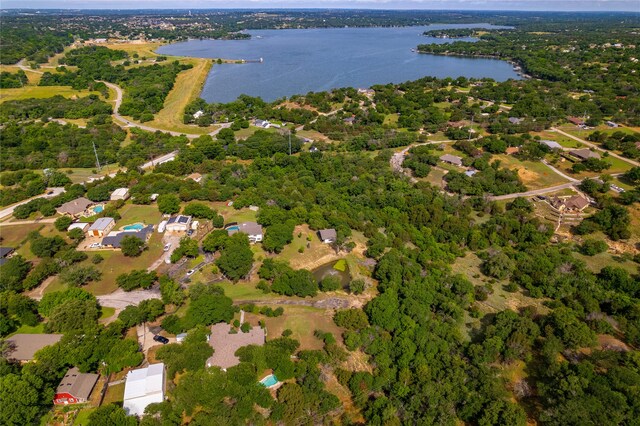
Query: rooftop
(74,207)
(584,154)
(225,345)
(77,384)
(115,240)
(120,192)
(5,251)
(453,159)
(551,144)
(101,224)
(179,219)
(26,345)
(250,228)
(143,386)
(328,234)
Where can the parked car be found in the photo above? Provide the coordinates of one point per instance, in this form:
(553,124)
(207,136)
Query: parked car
(95,245)
(189,232)
(161,339)
(167,247)
(190,272)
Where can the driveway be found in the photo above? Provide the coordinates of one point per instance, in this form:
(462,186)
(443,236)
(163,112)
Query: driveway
(120,299)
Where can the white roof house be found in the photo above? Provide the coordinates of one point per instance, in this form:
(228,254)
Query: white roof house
(180,223)
(120,194)
(143,386)
(78,225)
(551,144)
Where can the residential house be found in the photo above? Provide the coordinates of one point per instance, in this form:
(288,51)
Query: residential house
(22,347)
(225,344)
(75,387)
(261,123)
(142,387)
(101,227)
(120,194)
(451,159)
(252,229)
(180,223)
(349,120)
(551,144)
(83,226)
(5,254)
(471,172)
(328,236)
(74,208)
(512,150)
(612,124)
(198,114)
(575,120)
(584,154)
(114,241)
(196,177)
(515,120)
(576,203)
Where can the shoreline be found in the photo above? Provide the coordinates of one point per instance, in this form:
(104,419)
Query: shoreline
(517,67)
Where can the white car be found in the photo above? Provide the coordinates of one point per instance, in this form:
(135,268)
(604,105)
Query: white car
(167,247)
(190,272)
(95,245)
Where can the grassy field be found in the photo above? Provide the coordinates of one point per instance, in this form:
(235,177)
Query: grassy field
(317,253)
(533,174)
(114,264)
(617,166)
(599,261)
(16,237)
(114,394)
(133,213)
(41,92)
(82,419)
(80,175)
(142,49)
(27,329)
(186,88)
(561,139)
(303,321)
(107,312)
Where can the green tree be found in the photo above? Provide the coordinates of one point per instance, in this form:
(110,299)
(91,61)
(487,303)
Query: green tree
(111,415)
(13,272)
(62,223)
(73,315)
(80,275)
(277,236)
(168,204)
(236,258)
(215,240)
(351,319)
(53,299)
(131,246)
(20,402)
(171,291)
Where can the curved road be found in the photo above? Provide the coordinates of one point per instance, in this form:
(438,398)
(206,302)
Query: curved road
(596,147)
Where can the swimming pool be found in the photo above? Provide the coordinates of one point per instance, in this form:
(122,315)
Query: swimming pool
(97,209)
(233,228)
(269,381)
(134,227)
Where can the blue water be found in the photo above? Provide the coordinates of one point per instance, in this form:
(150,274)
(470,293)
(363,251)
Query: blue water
(134,227)
(269,381)
(233,228)
(98,209)
(300,61)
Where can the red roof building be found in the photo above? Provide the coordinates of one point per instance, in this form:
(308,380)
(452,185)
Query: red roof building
(75,387)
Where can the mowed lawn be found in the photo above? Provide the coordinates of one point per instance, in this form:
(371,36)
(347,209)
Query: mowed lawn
(134,213)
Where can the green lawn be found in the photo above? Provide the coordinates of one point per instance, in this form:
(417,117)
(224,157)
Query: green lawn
(533,174)
(82,419)
(107,312)
(114,394)
(599,261)
(26,329)
(40,92)
(79,175)
(133,213)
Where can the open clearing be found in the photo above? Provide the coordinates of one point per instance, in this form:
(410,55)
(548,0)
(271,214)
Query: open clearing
(40,92)
(533,174)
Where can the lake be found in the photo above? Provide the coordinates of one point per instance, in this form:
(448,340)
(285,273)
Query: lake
(300,61)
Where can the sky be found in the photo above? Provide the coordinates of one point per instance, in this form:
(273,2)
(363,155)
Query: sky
(537,5)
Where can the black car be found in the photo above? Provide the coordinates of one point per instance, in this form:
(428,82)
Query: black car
(161,339)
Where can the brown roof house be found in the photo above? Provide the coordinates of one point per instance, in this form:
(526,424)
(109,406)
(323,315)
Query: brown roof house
(225,344)
(575,120)
(22,347)
(75,387)
(576,202)
(584,154)
(451,159)
(74,207)
(196,177)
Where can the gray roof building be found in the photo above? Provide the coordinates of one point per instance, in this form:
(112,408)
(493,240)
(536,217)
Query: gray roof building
(584,154)
(115,240)
(101,224)
(328,235)
(451,159)
(24,346)
(75,387)
(551,144)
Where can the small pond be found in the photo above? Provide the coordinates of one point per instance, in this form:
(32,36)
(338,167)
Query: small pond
(336,268)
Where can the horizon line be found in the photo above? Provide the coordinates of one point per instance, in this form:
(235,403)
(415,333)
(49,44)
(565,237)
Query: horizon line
(315,8)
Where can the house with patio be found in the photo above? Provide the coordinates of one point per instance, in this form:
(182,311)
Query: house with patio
(74,208)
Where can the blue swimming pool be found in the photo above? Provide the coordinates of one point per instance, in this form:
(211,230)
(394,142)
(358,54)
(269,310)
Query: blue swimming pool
(270,380)
(98,209)
(233,228)
(134,227)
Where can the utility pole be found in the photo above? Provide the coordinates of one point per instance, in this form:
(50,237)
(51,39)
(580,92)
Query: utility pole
(96,153)
(289,142)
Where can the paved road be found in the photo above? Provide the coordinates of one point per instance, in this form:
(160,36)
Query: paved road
(129,123)
(558,172)
(28,222)
(162,159)
(533,192)
(596,147)
(8,211)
